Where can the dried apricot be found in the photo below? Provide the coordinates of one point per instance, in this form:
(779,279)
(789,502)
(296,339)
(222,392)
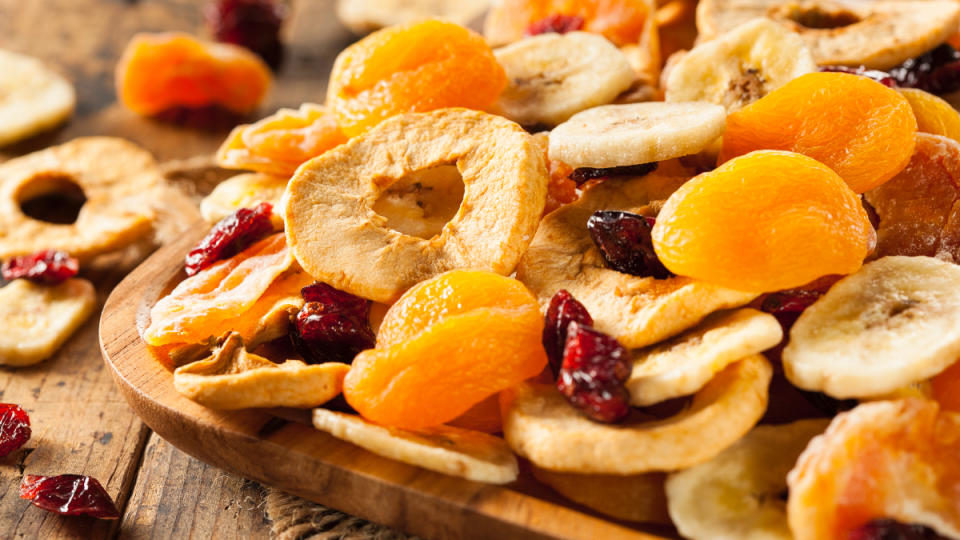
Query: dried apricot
(158,72)
(415,67)
(861,129)
(484,416)
(934,115)
(620,21)
(446,345)
(946,388)
(919,209)
(279,143)
(766,221)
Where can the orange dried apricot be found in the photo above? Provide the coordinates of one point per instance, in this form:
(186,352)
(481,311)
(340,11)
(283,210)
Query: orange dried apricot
(446,345)
(861,129)
(279,143)
(415,67)
(484,416)
(158,72)
(946,388)
(934,115)
(919,209)
(766,221)
(620,21)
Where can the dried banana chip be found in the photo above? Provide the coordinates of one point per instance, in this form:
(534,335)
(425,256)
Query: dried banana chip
(540,425)
(684,364)
(741,493)
(638,497)
(241,191)
(38,319)
(32,97)
(638,311)
(458,452)
(116,178)
(233,378)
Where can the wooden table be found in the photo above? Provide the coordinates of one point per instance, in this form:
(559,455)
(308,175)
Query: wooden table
(80,423)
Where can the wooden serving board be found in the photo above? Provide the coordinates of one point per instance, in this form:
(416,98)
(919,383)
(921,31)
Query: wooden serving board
(279,448)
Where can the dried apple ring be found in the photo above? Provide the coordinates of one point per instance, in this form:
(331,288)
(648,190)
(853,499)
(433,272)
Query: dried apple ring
(114,177)
(338,238)
(540,425)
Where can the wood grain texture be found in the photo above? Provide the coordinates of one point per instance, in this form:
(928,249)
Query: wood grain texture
(299,459)
(176,496)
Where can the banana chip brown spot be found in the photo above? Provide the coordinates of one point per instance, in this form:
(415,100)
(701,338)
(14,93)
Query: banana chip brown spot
(338,238)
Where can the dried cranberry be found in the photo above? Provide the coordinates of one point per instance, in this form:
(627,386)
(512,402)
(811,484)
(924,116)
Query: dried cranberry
(69,495)
(563,310)
(557,23)
(50,267)
(625,243)
(881,77)
(336,300)
(254,24)
(333,326)
(14,428)
(230,236)
(595,367)
(891,529)
(936,71)
(584,174)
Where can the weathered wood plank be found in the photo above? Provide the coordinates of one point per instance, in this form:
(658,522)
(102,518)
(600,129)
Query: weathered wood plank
(177,496)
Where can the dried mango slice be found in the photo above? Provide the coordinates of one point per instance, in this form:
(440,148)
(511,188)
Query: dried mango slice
(233,378)
(207,303)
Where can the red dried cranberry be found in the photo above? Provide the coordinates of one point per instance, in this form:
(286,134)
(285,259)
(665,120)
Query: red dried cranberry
(891,529)
(69,495)
(881,77)
(583,174)
(936,71)
(625,243)
(14,428)
(50,267)
(336,300)
(595,368)
(563,310)
(230,236)
(254,24)
(557,23)
(333,326)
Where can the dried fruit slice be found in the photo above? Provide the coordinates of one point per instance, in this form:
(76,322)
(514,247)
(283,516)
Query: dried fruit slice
(891,324)
(887,459)
(416,67)
(116,178)
(458,452)
(34,97)
(637,311)
(638,497)
(918,209)
(861,129)
(364,16)
(269,317)
(740,494)
(739,67)
(422,202)
(684,364)
(505,184)
(878,35)
(207,303)
(552,77)
(281,142)
(623,22)
(617,135)
(38,319)
(242,191)
(446,345)
(763,222)
(232,378)
(540,425)
(161,71)
(934,115)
